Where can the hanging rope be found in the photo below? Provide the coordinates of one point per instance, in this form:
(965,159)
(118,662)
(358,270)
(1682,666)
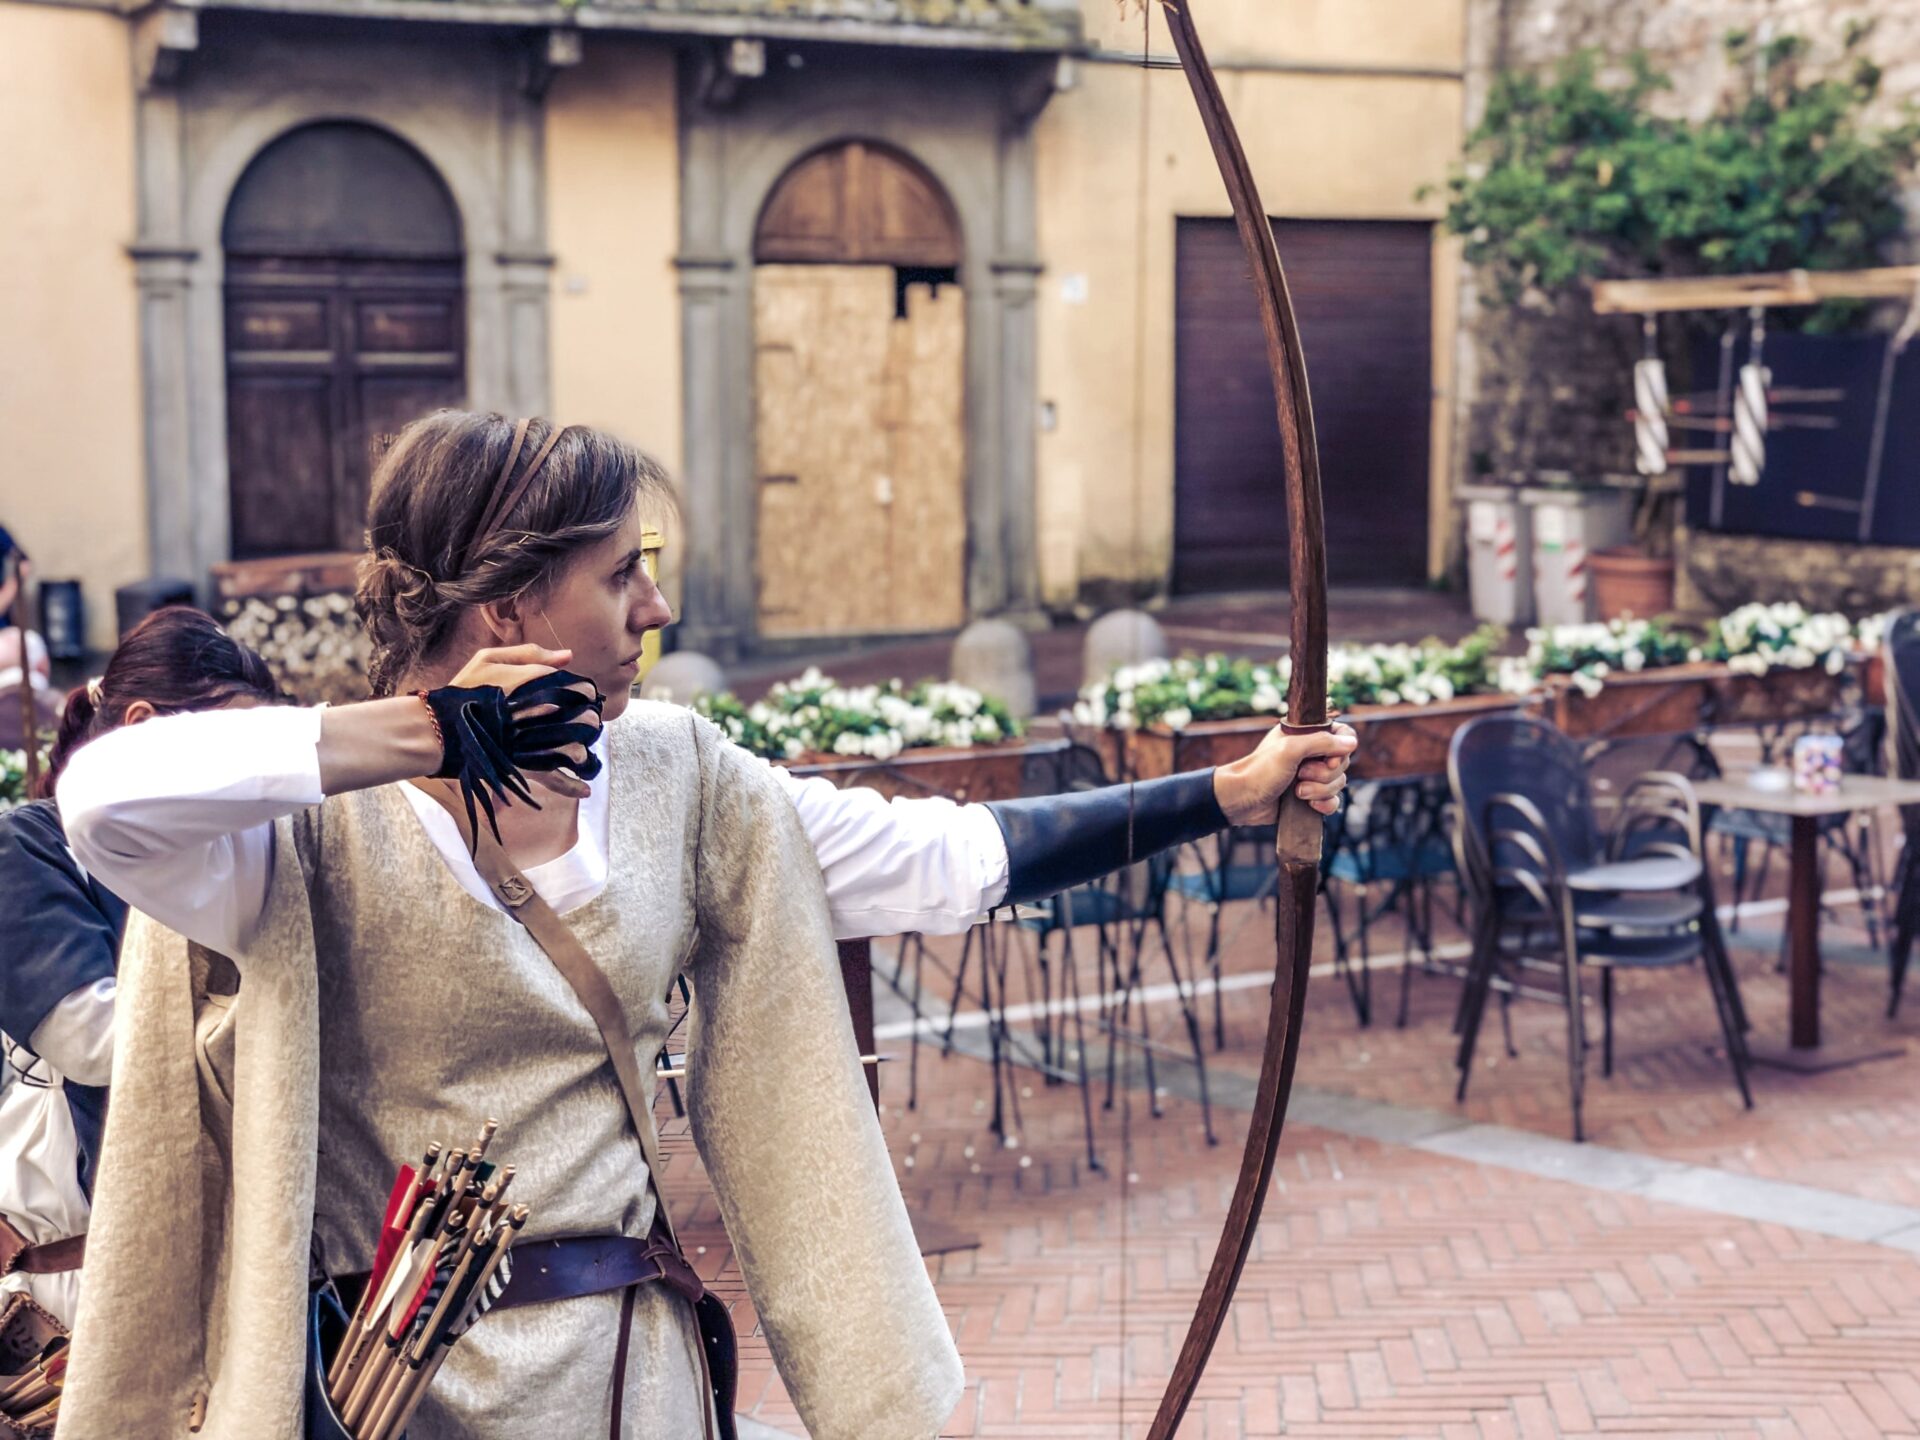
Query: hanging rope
(1749,448)
(1650,405)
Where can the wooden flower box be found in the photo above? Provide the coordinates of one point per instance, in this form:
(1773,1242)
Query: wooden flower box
(1672,700)
(324,573)
(1778,695)
(1678,698)
(973,773)
(1397,742)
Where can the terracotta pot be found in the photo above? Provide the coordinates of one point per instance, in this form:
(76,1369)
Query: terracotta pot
(1626,582)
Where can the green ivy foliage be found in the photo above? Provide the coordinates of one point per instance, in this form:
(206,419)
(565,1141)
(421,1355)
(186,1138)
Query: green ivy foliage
(1572,175)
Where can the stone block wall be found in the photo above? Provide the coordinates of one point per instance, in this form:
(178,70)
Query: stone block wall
(1718,572)
(1544,385)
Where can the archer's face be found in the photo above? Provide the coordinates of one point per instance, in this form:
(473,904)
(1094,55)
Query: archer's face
(602,608)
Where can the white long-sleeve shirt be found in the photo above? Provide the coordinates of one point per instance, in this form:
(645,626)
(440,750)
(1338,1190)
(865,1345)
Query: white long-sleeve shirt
(175,816)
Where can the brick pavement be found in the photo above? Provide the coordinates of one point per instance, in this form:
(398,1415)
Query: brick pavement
(1391,1294)
(1399,1293)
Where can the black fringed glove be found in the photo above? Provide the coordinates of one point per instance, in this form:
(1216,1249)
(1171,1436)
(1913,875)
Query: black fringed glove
(490,738)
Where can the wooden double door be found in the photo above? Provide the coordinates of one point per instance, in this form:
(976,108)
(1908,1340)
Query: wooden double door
(326,358)
(345,319)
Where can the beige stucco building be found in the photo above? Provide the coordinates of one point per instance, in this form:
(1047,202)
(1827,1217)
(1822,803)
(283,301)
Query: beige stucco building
(932,303)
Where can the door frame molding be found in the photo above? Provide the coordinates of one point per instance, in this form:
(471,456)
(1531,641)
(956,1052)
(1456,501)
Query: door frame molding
(977,142)
(454,97)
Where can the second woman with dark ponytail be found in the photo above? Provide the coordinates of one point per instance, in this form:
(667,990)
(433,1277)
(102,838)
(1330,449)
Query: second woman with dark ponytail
(63,932)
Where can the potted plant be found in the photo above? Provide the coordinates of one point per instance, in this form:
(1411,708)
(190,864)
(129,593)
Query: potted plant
(1637,579)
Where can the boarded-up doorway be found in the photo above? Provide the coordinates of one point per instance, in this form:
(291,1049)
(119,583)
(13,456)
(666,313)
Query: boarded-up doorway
(345,319)
(859,344)
(1363,291)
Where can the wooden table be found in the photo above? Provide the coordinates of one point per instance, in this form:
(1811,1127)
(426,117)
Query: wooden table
(1804,1052)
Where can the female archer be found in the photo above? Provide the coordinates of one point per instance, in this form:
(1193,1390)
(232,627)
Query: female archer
(339,858)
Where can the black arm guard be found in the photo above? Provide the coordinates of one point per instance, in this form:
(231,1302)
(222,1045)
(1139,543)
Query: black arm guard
(490,738)
(1055,842)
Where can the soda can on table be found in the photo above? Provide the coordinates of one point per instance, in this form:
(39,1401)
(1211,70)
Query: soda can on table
(1816,764)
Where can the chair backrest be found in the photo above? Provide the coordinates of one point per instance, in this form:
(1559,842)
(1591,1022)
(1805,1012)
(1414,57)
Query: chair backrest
(1901,651)
(1519,755)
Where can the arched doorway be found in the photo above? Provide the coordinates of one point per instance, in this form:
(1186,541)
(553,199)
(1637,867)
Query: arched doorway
(344,320)
(860,399)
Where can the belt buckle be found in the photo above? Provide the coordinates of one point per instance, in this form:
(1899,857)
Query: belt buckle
(675,1271)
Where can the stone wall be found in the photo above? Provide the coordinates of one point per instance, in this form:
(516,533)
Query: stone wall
(1544,384)
(1718,572)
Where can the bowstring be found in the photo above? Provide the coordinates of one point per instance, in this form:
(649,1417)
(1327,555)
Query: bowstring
(1143,180)
(1126,1131)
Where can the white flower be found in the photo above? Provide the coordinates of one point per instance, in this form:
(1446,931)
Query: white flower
(1178,718)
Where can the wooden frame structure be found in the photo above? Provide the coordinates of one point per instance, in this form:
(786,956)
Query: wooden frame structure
(1747,292)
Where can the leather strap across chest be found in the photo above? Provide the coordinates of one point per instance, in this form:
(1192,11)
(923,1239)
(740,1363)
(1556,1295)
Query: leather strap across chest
(660,1256)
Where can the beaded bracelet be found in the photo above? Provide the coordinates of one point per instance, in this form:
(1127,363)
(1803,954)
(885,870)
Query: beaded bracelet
(439,735)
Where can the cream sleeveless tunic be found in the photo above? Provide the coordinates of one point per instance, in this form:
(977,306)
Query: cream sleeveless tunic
(434,1011)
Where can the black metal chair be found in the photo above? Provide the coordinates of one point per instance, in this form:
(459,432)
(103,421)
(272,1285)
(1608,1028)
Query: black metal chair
(1550,895)
(1219,879)
(1390,842)
(1901,650)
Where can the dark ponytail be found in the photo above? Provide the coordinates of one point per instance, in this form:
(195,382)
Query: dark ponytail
(177,659)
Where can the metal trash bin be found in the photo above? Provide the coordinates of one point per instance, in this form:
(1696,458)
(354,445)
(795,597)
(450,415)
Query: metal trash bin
(1568,526)
(63,619)
(1499,542)
(133,603)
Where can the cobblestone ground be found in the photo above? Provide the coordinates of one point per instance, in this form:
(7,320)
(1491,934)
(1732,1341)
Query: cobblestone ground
(1397,1292)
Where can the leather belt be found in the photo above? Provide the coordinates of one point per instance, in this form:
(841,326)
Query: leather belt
(570,1266)
(574,1265)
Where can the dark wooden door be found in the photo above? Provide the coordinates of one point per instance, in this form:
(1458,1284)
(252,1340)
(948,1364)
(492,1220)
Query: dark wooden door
(345,318)
(1363,291)
(324,359)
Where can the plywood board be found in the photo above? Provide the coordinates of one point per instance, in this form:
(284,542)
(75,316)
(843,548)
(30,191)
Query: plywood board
(821,341)
(861,453)
(925,416)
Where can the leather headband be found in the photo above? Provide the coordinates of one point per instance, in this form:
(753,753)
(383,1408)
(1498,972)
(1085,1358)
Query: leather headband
(508,492)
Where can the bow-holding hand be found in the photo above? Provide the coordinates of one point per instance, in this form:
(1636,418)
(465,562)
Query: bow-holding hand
(1249,789)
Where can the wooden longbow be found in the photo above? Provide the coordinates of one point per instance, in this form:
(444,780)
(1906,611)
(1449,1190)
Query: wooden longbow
(1300,825)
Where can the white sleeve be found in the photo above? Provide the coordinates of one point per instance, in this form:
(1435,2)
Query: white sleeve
(76,1038)
(928,865)
(175,815)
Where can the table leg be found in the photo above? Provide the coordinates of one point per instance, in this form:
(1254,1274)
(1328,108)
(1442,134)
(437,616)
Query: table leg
(936,1236)
(1804,1052)
(856,974)
(1803,934)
